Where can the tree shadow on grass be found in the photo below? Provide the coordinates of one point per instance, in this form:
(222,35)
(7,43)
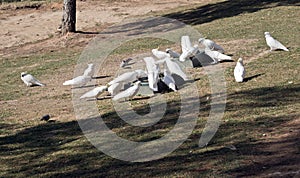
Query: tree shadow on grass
(211,12)
(60,149)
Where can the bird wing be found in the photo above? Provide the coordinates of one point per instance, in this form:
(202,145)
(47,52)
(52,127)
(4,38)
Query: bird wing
(273,43)
(174,68)
(78,80)
(186,44)
(125,77)
(217,55)
(30,79)
(94,92)
(115,88)
(160,54)
(126,93)
(169,81)
(217,47)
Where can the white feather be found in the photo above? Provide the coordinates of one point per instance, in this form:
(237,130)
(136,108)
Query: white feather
(153,72)
(174,68)
(88,71)
(115,88)
(187,49)
(169,80)
(209,44)
(29,80)
(125,77)
(80,80)
(160,54)
(216,55)
(273,43)
(94,92)
(239,71)
(129,93)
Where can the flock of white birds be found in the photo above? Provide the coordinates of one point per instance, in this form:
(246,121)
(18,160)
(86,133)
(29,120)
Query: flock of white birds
(154,72)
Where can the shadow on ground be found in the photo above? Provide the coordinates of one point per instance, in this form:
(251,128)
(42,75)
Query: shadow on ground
(211,12)
(60,149)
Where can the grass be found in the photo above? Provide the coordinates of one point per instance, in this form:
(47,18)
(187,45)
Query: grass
(261,118)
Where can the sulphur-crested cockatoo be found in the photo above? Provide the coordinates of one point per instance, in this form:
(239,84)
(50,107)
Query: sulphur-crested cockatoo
(160,54)
(29,80)
(115,88)
(174,68)
(153,72)
(209,44)
(88,71)
(216,55)
(128,93)
(187,49)
(80,80)
(94,92)
(169,80)
(273,43)
(125,78)
(239,71)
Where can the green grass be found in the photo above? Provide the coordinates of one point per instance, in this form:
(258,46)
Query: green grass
(41,65)
(258,119)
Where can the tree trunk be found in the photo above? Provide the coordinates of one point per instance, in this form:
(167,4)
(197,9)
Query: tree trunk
(69,16)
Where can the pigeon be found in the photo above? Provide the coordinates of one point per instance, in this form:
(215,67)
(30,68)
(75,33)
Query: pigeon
(88,71)
(173,54)
(169,80)
(45,118)
(94,92)
(115,88)
(125,78)
(209,44)
(125,62)
(187,49)
(129,93)
(274,44)
(29,80)
(239,71)
(160,54)
(216,55)
(80,80)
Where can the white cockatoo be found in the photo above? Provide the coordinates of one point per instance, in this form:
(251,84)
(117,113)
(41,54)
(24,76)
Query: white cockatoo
(80,80)
(169,80)
(115,88)
(187,49)
(153,72)
(128,93)
(209,44)
(239,71)
(174,68)
(273,43)
(88,71)
(173,54)
(94,92)
(125,78)
(160,54)
(29,80)
(216,55)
